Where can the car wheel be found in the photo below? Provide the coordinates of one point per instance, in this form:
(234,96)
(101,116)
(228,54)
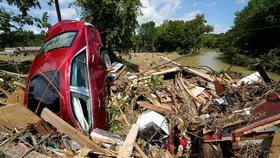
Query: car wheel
(106,61)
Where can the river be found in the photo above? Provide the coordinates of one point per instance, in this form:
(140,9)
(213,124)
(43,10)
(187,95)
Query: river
(211,59)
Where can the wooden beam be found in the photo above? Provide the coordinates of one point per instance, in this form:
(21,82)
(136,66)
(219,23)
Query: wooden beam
(70,131)
(17,116)
(13,74)
(275,146)
(128,144)
(174,69)
(197,73)
(155,108)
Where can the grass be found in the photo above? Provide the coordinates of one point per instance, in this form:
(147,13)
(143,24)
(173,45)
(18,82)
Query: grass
(147,59)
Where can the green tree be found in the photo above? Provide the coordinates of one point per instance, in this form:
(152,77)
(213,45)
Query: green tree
(116,19)
(179,35)
(146,35)
(23,38)
(10,19)
(255,36)
(210,40)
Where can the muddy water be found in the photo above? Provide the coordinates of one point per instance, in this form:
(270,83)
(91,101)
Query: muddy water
(211,59)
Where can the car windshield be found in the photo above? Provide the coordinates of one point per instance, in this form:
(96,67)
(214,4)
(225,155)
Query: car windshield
(63,40)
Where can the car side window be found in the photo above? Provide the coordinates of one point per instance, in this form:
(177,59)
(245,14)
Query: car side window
(79,91)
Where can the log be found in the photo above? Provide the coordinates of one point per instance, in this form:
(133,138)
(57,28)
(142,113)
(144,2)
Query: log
(70,131)
(13,73)
(155,108)
(128,144)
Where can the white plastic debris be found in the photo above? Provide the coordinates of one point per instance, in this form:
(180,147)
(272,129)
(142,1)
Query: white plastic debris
(253,78)
(152,125)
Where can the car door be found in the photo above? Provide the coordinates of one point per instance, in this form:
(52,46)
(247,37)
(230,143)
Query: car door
(97,78)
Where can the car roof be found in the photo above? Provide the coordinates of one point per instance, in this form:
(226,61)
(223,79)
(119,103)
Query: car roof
(64,26)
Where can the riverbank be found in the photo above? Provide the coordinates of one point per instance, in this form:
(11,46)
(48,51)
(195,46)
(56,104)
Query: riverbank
(208,58)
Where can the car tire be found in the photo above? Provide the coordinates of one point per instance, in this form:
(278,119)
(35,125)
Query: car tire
(106,61)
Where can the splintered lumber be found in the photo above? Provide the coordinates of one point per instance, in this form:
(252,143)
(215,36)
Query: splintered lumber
(188,91)
(17,116)
(21,149)
(275,146)
(70,131)
(155,108)
(128,144)
(30,150)
(119,73)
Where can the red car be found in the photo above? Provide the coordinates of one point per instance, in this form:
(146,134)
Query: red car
(69,77)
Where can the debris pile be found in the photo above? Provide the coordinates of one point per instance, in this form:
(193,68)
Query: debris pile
(184,112)
(166,111)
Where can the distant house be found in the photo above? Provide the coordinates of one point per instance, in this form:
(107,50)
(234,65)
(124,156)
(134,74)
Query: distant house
(21,50)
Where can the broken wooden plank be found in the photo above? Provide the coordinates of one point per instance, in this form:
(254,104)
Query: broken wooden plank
(17,116)
(42,128)
(275,146)
(70,131)
(174,69)
(219,88)
(127,147)
(197,73)
(155,108)
(17,96)
(188,91)
(187,97)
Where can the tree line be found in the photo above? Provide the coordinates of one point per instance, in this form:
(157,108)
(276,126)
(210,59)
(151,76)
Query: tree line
(254,38)
(172,35)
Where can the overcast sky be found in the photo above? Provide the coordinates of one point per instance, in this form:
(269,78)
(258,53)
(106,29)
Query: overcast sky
(219,13)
